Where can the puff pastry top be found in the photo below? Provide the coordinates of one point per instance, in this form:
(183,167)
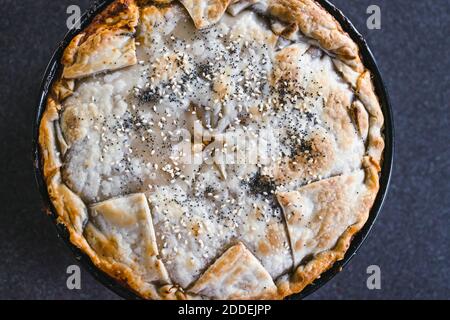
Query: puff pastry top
(197,153)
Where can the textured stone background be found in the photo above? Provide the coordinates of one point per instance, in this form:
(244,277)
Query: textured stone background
(410,241)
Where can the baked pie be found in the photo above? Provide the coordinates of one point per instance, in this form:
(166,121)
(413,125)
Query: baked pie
(212,149)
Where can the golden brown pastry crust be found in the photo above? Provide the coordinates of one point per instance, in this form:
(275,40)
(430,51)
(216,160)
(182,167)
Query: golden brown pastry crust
(236,269)
(106,44)
(305,274)
(120,20)
(204,13)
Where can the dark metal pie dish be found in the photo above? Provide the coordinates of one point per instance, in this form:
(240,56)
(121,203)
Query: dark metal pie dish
(53,72)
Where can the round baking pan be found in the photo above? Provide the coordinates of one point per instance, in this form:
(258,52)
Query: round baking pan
(54,68)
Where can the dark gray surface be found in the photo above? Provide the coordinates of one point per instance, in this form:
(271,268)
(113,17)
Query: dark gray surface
(410,241)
